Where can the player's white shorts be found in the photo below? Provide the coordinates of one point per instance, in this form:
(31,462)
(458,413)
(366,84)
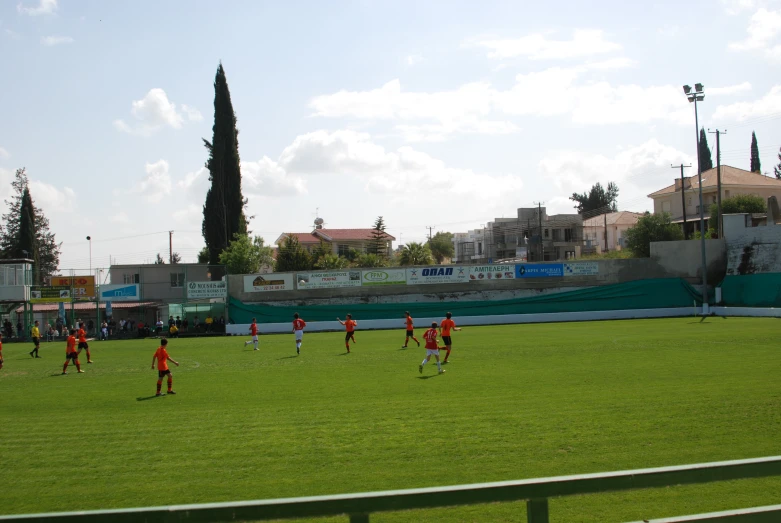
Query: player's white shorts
(255,337)
(432,352)
(299,335)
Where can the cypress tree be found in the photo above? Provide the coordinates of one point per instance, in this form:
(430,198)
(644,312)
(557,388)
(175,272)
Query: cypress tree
(777,168)
(705,154)
(755,166)
(223,211)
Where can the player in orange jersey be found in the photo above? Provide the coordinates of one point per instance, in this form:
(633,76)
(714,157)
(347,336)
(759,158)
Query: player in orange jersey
(410,332)
(71,354)
(83,342)
(162,357)
(431,348)
(253,329)
(298,330)
(445,327)
(349,327)
(1,350)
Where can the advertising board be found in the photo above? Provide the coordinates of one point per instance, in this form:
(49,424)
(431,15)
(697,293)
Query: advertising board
(328,280)
(437,274)
(268,282)
(539,270)
(491,272)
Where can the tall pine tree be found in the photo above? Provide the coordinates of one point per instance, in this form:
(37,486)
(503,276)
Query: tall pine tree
(25,229)
(755,166)
(379,239)
(777,168)
(705,154)
(223,211)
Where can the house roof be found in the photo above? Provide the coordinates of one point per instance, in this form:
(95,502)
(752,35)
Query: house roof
(332,235)
(613,218)
(729,176)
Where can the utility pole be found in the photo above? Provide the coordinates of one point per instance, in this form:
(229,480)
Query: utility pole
(720,225)
(539,219)
(683,197)
(604,215)
(429,232)
(171,247)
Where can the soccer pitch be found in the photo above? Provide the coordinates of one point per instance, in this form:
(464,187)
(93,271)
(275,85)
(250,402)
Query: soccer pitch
(516,402)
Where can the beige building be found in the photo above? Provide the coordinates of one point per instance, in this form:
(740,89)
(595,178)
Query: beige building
(617,224)
(681,196)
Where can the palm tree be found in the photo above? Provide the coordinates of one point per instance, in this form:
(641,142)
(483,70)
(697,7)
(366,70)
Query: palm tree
(415,254)
(331,261)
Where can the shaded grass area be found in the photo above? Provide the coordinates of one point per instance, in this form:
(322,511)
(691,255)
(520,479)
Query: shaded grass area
(517,402)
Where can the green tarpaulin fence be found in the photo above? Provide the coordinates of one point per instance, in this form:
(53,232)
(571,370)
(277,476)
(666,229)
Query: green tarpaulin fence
(640,294)
(752,290)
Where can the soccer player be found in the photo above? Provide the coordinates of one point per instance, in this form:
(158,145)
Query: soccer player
(445,327)
(83,341)
(253,329)
(71,354)
(35,332)
(410,332)
(162,357)
(298,330)
(349,327)
(431,348)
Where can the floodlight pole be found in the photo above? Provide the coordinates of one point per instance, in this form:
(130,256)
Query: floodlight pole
(695,96)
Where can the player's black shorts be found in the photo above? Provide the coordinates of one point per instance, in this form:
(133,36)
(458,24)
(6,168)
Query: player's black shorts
(83,345)
(37,341)
(74,356)
(162,373)
(446,340)
(347,336)
(410,333)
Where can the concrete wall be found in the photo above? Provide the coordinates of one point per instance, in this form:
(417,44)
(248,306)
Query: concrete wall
(751,250)
(155,280)
(683,259)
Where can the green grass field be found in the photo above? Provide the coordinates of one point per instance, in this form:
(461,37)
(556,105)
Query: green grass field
(517,402)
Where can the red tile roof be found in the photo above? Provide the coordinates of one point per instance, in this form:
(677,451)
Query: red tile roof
(331,235)
(729,176)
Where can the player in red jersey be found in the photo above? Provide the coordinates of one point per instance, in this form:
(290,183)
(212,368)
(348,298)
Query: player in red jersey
(445,327)
(298,330)
(410,332)
(431,348)
(71,354)
(83,345)
(349,327)
(162,357)
(253,329)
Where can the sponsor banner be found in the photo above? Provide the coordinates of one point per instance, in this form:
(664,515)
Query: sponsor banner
(39,294)
(268,282)
(109,311)
(127,292)
(328,280)
(82,287)
(581,269)
(61,310)
(491,272)
(539,270)
(207,289)
(384,277)
(438,274)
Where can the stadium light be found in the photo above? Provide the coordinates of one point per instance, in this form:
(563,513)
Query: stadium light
(89,239)
(695,96)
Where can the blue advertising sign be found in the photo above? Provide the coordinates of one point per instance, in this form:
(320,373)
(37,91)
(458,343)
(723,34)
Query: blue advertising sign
(539,270)
(61,310)
(109,311)
(129,292)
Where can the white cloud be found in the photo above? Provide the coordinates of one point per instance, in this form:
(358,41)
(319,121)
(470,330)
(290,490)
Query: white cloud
(729,90)
(4,154)
(11,33)
(763,30)
(45,7)
(414,59)
(52,198)
(266,178)
(735,7)
(157,183)
(120,217)
(195,179)
(767,105)
(189,215)
(538,46)
(154,111)
(637,170)
(51,41)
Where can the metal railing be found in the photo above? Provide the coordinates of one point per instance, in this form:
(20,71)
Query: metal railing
(535,492)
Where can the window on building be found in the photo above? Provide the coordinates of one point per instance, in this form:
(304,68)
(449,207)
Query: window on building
(479,248)
(557,235)
(177,279)
(547,233)
(342,249)
(714,199)
(697,209)
(131,278)
(568,234)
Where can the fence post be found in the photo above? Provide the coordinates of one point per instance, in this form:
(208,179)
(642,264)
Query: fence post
(537,510)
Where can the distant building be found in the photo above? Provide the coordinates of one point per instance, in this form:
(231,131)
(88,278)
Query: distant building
(531,236)
(675,198)
(341,241)
(617,224)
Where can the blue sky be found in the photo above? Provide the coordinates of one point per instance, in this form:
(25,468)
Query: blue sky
(443,114)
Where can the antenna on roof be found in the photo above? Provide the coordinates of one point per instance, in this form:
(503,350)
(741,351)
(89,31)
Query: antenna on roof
(318,221)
